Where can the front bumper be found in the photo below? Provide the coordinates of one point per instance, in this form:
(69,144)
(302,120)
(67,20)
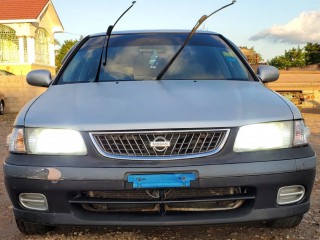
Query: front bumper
(61,185)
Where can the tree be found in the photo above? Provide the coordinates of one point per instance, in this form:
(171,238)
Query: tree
(60,54)
(312,53)
(279,62)
(291,58)
(296,57)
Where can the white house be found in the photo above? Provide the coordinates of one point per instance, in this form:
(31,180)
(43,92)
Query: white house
(27,30)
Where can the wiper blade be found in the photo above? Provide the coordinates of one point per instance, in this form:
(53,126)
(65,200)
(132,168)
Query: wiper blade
(108,33)
(194,29)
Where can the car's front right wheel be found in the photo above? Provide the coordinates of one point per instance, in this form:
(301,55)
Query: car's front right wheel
(29,228)
(289,222)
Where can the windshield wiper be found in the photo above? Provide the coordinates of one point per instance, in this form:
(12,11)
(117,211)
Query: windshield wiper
(108,33)
(194,29)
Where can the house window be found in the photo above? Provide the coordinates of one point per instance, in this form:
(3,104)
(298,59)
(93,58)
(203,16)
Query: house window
(9,45)
(42,46)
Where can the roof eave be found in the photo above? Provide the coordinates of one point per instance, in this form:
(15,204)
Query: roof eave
(19,21)
(43,10)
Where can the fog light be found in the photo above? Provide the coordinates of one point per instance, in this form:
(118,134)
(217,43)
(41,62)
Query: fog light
(290,194)
(34,201)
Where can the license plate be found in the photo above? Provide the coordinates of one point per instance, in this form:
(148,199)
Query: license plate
(163,180)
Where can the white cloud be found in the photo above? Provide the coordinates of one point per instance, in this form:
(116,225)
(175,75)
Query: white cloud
(305,28)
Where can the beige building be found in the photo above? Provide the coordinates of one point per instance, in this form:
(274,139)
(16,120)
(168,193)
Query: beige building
(252,56)
(27,30)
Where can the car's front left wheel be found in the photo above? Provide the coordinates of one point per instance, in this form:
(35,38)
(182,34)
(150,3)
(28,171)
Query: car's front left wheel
(29,228)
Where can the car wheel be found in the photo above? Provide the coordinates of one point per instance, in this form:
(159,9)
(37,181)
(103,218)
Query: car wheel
(32,228)
(1,108)
(289,222)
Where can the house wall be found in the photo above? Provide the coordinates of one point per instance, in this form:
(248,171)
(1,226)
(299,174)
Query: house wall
(26,65)
(17,92)
(24,69)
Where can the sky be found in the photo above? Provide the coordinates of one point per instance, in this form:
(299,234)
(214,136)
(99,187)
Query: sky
(270,26)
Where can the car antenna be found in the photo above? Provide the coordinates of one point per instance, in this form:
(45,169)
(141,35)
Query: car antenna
(108,33)
(194,29)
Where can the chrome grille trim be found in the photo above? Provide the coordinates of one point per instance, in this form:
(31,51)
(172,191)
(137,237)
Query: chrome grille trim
(135,145)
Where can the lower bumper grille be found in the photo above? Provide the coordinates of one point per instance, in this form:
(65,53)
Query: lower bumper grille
(163,200)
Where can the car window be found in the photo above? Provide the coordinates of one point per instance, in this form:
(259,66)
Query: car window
(142,57)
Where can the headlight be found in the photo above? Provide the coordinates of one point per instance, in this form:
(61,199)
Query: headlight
(46,141)
(274,135)
(55,142)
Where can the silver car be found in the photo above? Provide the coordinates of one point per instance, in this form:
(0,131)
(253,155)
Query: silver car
(122,138)
(2,103)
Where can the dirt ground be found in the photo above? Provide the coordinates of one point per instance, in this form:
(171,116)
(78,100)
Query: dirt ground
(309,229)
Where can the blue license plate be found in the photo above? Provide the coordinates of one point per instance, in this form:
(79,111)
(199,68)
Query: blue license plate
(163,180)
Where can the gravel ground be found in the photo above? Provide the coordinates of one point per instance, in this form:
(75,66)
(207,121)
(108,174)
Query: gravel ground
(309,229)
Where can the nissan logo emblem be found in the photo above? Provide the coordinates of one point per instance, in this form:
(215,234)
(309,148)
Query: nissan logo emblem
(160,144)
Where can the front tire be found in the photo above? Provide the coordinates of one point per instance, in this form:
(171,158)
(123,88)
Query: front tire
(289,222)
(32,228)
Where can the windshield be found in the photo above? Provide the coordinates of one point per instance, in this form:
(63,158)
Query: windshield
(142,57)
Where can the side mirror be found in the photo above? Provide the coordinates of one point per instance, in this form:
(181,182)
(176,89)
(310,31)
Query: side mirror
(39,78)
(267,73)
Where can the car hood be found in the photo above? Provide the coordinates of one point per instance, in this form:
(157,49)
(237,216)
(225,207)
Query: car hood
(137,105)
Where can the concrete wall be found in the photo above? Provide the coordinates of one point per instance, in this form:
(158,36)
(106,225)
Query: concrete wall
(313,67)
(17,92)
(297,80)
(24,69)
(306,82)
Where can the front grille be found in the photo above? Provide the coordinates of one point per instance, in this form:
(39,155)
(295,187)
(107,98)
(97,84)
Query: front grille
(162,200)
(160,144)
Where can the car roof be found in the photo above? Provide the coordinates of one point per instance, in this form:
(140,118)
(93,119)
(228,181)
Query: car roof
(152,31)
